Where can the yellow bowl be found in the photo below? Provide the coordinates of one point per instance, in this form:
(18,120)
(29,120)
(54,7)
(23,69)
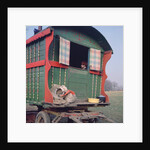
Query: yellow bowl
(93,100)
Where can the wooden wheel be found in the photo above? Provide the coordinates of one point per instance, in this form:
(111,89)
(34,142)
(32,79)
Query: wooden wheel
(42,117)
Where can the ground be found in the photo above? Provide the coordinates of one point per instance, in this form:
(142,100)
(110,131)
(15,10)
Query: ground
(114,111)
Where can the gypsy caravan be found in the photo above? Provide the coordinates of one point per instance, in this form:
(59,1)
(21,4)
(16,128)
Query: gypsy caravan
(65,72)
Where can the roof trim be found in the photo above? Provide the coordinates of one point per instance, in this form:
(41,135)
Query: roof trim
(38,35)
(89,30)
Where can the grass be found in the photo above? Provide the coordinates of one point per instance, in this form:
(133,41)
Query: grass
(115,110)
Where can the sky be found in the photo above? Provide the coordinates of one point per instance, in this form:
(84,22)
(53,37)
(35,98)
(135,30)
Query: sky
(114,67)
(114,36)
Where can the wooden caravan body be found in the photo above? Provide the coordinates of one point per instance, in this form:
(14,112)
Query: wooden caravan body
(46,64)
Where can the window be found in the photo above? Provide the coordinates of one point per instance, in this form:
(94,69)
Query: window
(78,56)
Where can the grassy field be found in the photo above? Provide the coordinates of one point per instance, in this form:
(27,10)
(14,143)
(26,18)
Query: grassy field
(115,110)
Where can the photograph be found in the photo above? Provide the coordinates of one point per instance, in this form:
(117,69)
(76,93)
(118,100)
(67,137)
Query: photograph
(74,74)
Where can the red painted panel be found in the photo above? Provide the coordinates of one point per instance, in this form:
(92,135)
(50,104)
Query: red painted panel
(38,35)
(48,94)
(57,64)
(95,72)
(35,64)
(107,56)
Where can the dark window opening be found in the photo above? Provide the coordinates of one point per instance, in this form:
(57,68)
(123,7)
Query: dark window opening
(78,56)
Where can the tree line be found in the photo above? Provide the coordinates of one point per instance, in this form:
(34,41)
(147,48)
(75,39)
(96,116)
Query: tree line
(112,86)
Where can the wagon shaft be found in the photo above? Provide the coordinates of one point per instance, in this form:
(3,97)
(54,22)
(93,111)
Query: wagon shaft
(56,119)
(80,117)
(75,119)
(77,116)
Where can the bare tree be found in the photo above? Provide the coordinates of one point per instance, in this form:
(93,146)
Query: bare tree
(114,86)
(108,85)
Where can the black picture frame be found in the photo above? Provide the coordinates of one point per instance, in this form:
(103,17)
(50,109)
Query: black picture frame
(146,48)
